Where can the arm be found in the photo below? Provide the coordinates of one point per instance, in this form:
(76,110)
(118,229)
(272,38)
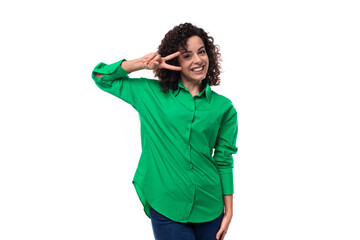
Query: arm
(225,222)
(114,79)
(150,61)
(129,66)
(228,201)
(225,147)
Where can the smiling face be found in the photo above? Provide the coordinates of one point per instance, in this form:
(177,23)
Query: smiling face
(194,60)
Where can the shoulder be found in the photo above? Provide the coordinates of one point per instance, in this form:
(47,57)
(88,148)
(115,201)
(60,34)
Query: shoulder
(151,86)
(223,101)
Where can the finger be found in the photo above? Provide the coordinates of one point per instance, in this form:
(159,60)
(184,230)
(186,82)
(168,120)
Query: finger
(153,63)
(218,234)
(156,63)
(171,56)
(148,57)
(171,67)
(157,58)
(155,55)
(223,235)
(151,57)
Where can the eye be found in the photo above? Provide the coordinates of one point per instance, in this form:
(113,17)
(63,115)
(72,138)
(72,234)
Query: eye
(202,52)
(186,56)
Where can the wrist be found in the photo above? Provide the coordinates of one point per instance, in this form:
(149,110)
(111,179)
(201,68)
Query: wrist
(133,65)
(228,215)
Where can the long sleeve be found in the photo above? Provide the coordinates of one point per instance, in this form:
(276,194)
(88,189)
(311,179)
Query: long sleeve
(225,147)
(116,82)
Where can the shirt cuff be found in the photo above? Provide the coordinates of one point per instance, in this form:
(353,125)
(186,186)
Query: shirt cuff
(227,181)
(114,69)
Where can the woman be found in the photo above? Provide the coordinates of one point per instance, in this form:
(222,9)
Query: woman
(183,187)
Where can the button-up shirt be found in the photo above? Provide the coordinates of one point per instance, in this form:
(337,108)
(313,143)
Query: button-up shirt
(186,164)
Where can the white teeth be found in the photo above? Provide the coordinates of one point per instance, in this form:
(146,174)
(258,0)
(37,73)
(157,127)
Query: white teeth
(198,69)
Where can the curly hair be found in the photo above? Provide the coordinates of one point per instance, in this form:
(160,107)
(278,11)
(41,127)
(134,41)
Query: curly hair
(176,39)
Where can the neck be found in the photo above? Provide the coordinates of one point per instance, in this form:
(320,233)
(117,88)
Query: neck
(194,87)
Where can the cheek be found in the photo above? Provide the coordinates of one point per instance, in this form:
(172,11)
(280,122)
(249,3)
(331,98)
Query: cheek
(183,64)
(184,70)
(207,59)
(185,67)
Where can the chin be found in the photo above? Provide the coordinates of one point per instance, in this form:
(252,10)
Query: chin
(198,77)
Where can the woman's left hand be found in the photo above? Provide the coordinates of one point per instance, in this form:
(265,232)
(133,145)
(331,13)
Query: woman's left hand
(224,227)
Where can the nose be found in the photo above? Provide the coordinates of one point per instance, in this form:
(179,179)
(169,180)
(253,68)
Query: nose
(197,59)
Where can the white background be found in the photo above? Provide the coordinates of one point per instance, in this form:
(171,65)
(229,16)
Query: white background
(69,150)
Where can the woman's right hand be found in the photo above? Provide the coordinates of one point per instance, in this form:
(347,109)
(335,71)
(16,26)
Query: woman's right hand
(153,61)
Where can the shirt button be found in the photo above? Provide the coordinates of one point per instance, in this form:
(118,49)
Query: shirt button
(190,166)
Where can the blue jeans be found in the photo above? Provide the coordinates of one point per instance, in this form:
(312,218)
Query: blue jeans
(166,229)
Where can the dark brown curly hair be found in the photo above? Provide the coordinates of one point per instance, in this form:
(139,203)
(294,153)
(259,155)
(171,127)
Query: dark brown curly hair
(176,39)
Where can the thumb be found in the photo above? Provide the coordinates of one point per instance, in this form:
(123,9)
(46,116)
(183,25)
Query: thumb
(218,234)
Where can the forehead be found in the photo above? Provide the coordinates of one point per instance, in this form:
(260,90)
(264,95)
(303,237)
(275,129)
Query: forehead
(194,43)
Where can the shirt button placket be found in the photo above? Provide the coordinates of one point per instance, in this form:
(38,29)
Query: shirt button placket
(188,151)
(190,165)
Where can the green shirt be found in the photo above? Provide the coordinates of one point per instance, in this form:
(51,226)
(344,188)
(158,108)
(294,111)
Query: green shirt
(178,173)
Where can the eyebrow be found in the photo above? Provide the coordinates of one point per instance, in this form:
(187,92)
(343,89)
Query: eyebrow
(187,51)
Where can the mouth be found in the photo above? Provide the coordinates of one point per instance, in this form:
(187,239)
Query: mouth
(198,70)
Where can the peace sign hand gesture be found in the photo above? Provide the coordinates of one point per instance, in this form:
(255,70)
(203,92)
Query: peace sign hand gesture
(153,61)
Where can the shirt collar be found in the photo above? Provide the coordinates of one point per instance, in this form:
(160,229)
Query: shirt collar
(207,90)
